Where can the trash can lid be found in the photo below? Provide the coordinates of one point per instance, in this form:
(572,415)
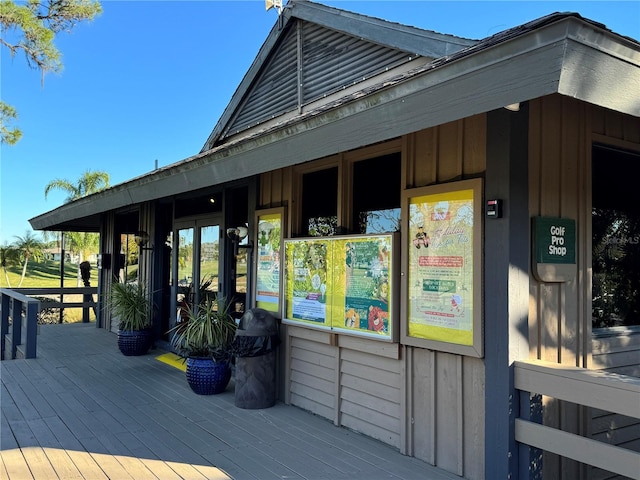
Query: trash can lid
(257,321)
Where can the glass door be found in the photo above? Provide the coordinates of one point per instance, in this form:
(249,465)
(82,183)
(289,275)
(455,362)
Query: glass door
(209,271)
(196,266)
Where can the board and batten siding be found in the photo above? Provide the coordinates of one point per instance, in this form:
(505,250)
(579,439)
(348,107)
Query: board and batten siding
(561,133)
(428,404)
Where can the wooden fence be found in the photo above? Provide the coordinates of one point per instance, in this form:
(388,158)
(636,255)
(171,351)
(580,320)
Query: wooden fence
(606,391)
(19,316)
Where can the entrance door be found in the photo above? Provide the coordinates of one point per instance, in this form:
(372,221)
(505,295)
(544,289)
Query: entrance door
(196,263)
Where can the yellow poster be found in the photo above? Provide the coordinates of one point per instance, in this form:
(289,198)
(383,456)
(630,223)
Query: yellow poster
(268,262)
(440,281)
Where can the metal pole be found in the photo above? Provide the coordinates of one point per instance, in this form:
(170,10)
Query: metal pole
(61,276)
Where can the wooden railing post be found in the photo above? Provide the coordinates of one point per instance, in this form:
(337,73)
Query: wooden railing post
(32,328)
(16,325)
(4,322)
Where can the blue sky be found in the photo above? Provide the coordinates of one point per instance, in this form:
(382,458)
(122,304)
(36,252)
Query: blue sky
(148,80)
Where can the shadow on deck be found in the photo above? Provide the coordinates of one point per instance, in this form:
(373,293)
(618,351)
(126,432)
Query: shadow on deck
(83,410)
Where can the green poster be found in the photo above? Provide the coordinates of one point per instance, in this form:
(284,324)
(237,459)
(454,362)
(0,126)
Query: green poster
(365,263)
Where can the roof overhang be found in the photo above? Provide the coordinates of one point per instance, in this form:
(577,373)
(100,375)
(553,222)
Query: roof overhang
(563,54)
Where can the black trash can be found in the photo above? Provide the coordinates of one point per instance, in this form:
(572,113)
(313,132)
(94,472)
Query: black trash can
(254,345)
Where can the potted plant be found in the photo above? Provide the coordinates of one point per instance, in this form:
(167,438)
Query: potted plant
(204,337)
(131,304)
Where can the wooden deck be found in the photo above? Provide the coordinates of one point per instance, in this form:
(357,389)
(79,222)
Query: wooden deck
(82,410)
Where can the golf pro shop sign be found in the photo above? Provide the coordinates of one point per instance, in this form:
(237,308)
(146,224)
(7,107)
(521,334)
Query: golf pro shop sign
(554,249)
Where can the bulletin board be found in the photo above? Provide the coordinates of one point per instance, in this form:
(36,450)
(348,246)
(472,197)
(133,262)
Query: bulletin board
(268,266)
(442,267)
(343,284)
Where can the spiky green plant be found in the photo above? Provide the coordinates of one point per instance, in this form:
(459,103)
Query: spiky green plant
(131,304)
(207,331)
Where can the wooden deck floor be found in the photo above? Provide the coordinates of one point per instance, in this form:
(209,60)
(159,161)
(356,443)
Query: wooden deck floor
(82,410)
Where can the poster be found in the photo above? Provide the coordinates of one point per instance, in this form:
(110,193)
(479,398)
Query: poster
(307,281)
(269,241)
(342,284)
(366,270)
(441,266)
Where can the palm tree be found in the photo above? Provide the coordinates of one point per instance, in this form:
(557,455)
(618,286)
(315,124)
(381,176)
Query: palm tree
(28,247)
(90,182)
(8,256)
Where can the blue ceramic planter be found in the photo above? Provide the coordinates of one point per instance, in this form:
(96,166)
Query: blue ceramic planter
(134,342)
(206,376)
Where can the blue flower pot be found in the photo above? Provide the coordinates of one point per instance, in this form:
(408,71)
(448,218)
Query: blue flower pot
(134,342)
(206,376)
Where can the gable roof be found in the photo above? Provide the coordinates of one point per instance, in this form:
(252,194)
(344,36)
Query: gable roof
(313,51)
(561,53)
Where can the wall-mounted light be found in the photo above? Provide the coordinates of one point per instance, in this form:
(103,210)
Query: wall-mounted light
(142,238)
(237,235)
(513,107)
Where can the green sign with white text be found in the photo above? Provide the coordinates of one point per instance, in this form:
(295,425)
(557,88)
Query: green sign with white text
(555,240)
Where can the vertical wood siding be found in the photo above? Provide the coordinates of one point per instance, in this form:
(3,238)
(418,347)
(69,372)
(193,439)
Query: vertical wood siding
(428,404)
(440,400)
(311,62)
(562,131)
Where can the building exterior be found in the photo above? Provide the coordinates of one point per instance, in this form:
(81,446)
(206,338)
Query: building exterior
(438,193)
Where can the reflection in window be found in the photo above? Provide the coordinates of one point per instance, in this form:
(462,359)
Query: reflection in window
(184,297)
(615,222)
(209,260)
(379,221)
(323,226)
(129,255)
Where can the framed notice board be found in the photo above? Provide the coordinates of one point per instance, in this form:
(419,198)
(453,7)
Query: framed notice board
(343,284)
(441,264)
(268,267)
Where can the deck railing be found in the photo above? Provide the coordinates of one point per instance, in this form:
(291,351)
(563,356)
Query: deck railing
(19,309)
(604,390)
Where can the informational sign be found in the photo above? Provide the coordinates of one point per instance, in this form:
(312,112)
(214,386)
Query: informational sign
(268,263)
(443,245)
(307,283)
(342,284)
(554,249)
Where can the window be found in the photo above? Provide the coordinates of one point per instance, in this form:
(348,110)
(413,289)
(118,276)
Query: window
(320,202)
(376,194)
(615,220)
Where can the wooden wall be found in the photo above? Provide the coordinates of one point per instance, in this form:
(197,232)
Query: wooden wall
(562,131)
(431,403)
(428,404)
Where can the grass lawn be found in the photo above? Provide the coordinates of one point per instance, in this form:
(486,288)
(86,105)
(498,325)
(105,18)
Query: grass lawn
(47,274)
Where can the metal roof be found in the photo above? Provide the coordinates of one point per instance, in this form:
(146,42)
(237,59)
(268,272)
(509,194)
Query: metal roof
(559,53)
